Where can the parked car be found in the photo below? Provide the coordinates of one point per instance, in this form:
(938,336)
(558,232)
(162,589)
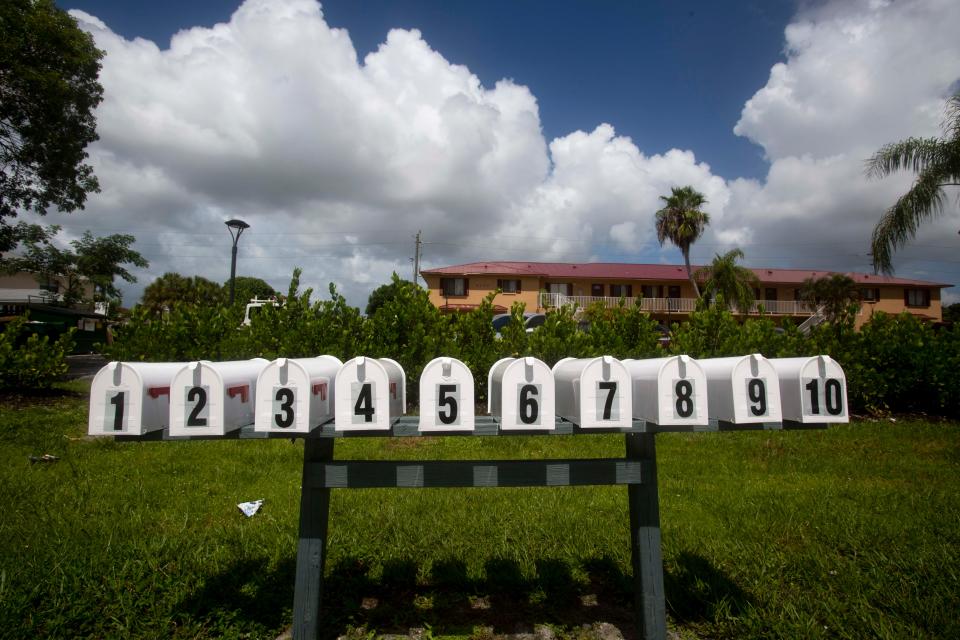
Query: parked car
(530,321)
(533,321)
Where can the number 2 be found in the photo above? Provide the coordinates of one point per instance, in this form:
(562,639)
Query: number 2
(198,395)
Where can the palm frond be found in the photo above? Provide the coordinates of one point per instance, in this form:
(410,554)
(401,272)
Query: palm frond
(915,154)
(951,124)
(925,200)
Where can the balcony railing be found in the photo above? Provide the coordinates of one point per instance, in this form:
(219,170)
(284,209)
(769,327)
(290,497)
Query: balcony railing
(671,305)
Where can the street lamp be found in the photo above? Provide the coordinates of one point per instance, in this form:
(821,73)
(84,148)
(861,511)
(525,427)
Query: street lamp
(234,226)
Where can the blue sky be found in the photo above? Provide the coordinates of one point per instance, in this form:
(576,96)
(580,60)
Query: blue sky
(508,130)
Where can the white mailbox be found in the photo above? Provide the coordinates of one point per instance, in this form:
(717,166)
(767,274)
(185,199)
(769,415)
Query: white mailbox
(521,394)
(669,391)
(296,395)
(812,389)
(742,389)
(213,398)
(594,392)
(131,398)
(370,394)
(446,396)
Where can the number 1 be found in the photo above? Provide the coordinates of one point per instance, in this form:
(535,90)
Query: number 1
(117,401)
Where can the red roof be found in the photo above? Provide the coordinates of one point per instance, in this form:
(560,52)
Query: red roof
(653,272)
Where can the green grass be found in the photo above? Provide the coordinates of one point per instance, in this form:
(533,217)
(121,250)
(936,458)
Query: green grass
(852,532)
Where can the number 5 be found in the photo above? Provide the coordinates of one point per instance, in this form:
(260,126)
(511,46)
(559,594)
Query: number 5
(447,395)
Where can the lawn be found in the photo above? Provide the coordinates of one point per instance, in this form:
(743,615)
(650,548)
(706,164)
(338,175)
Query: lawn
(853,532)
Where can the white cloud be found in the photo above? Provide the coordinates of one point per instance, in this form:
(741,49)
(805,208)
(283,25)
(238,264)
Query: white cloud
(337,162)
(857,75)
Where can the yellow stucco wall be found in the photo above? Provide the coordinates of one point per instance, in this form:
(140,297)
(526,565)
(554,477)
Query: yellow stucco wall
(891,297)
(480,286)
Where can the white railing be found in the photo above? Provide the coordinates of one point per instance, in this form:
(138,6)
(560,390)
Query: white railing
(672,305)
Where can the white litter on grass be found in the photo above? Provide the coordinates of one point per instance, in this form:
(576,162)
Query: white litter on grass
(250,508)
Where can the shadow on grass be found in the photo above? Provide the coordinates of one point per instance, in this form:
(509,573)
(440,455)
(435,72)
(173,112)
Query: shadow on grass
(248,594)
(697,591)
(452,602)
(252,596)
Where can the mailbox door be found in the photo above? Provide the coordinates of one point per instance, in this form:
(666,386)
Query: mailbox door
(362,396)
(446,396)
(528,396)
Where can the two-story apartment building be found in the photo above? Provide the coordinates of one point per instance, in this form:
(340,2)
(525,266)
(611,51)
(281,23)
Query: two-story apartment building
(665,290)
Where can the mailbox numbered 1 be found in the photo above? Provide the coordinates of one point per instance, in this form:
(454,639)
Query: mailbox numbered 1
(608,400)
(528,409)
(363,396)
(823,397)
(284,407)
(448,403)
(197,406)
(118,421)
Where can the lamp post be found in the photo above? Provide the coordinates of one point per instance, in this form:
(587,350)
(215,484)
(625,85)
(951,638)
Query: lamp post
(234,226)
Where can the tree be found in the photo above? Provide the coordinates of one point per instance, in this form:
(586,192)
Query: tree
(96,260)
(247,288)
(682,222)
(51,265)
(100,260)
(388,292)
(48,93)
(728,282)
(837,294)
(173,288)
(936,161)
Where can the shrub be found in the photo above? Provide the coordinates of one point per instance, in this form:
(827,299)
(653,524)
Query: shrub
(31,362)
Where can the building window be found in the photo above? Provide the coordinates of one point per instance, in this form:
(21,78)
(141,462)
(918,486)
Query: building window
(770,294)
(652,291)
(509,286)
(916,297)
(621,291)
(869,295)
(596,290)
(673,292)
(563,288)
(450,287)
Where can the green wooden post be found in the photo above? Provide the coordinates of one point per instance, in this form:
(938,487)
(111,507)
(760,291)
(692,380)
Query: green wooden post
(312,544)
(648,594)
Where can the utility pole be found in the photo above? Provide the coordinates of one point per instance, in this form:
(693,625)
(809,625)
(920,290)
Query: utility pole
(416,258)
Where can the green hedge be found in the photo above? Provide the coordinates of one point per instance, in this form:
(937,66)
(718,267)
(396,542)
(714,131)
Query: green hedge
(895,363)
(29,360)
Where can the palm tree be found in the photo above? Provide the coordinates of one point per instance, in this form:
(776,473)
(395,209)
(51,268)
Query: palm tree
(728,282)
(682,222)
(936,161)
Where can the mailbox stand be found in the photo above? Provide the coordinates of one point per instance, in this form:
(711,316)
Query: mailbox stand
(637,470)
